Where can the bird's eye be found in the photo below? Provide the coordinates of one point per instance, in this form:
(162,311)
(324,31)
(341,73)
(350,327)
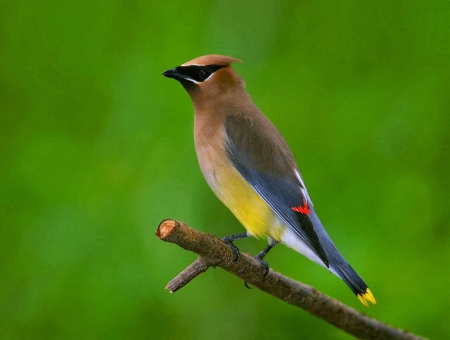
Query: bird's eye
(197,73)
(203,74)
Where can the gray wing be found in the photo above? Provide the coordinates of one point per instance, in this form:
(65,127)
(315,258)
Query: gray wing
(269,167)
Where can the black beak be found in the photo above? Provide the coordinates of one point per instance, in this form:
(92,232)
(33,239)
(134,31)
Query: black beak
(173,73)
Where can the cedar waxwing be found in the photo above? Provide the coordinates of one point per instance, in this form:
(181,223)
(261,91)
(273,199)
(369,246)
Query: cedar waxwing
(251,169)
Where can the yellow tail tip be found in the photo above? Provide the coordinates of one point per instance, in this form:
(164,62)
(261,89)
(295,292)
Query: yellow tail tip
(367,296)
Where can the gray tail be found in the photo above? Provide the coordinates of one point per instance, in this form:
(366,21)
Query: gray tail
(338,265)
(349,276)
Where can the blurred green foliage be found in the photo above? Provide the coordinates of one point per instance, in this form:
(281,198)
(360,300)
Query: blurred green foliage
(96,149)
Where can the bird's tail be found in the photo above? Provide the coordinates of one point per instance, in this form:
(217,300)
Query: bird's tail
(354,282)
(340,267)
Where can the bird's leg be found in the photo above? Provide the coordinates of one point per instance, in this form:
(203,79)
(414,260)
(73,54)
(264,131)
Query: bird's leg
(263,253)
(228,240)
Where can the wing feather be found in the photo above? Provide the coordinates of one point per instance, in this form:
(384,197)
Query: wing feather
(269,167)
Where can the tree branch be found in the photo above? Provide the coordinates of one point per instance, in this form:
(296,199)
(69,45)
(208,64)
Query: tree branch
(214,252)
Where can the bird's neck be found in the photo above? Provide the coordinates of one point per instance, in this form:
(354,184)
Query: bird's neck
(220,99)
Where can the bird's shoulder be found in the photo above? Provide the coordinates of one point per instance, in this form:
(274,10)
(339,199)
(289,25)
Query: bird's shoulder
(258,144)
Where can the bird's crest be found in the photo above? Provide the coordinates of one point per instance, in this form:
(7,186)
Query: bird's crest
(212,59)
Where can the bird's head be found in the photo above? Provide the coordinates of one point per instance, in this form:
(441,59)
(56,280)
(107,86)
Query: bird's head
(207,76)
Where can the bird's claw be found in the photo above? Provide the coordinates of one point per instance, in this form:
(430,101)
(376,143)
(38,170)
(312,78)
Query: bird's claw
(264,264)
(235,249)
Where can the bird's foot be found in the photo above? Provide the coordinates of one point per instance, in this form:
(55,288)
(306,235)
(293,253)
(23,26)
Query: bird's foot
(235,250)
(263,253)
(228,240)
(263,263)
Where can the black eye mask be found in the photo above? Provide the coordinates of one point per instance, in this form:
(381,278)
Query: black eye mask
(197,73)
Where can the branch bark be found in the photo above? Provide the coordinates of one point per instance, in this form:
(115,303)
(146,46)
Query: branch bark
(214,252)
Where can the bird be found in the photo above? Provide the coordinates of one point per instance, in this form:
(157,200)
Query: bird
(251,169)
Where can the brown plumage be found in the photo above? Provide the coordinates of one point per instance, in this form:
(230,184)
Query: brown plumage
(249,166)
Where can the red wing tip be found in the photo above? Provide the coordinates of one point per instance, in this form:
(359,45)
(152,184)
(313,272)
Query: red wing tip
(302,209)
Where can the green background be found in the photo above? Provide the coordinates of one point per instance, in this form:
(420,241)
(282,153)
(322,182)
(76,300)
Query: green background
(96,148)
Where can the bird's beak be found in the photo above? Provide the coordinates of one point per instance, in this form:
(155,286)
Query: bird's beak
(173,73)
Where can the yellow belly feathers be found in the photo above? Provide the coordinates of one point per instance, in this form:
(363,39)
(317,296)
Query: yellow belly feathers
(248,207)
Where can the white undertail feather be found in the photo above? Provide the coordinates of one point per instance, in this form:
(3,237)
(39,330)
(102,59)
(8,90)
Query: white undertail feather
(293,241)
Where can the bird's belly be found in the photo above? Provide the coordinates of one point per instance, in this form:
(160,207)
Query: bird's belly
(248,207)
